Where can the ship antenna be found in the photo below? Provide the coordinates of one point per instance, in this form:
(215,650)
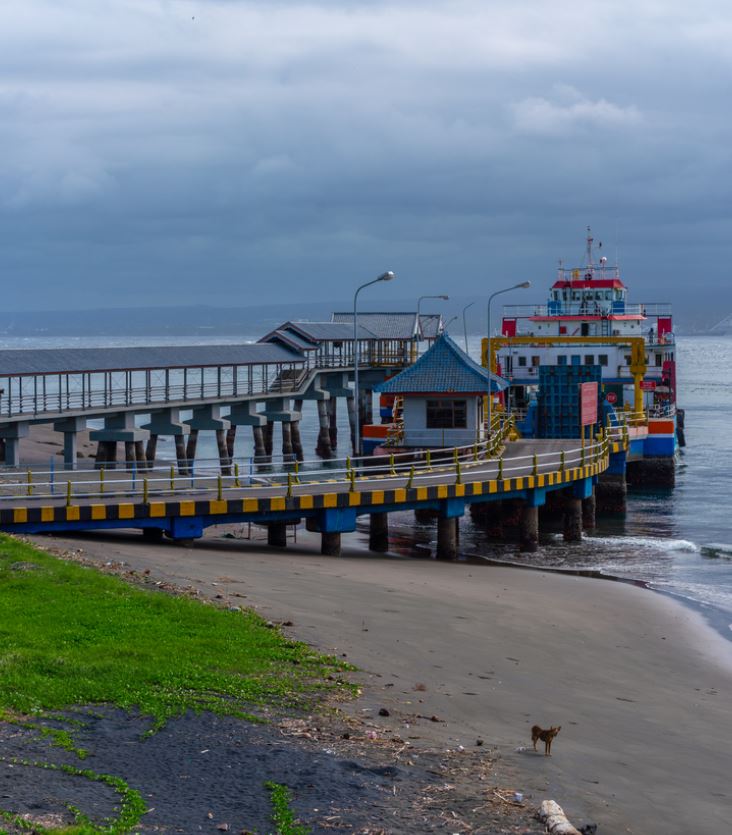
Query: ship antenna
(589,247)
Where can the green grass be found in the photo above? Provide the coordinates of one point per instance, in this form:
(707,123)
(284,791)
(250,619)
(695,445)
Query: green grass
(282,815)
(73,636)
(70,635)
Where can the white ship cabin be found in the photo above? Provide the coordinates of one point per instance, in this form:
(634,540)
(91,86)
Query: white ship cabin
(591,301)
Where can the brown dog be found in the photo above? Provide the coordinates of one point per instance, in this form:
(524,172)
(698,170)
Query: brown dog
(546,737)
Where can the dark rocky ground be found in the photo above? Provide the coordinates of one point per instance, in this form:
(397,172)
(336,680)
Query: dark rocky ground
(205,773)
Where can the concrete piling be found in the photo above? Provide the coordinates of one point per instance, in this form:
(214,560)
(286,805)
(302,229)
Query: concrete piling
(151,450)
(379,532)
(330,544)
(447,538)
(230,441)
(611,493)
(191,450)
(572,519)
(268,433)
(529,529)
(224,458)
(332,406)
(180,453)
(323,447)
(277,534)
(129,454)
(351,410)
(140,459)
(588,511)
(258,436)
(287,451)
(295,431)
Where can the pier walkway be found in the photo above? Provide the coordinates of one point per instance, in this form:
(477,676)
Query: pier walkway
(329,498)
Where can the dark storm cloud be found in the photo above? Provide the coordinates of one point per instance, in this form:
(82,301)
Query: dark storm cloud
(154,151)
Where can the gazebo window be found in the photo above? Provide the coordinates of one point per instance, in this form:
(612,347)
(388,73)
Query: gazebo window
(447,414)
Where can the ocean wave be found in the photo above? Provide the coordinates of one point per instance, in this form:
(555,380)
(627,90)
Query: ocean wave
(657,543)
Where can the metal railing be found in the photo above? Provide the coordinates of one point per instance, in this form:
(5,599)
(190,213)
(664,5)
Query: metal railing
(451,465)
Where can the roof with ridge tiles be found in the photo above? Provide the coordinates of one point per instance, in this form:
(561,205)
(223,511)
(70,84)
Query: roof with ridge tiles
(443,368)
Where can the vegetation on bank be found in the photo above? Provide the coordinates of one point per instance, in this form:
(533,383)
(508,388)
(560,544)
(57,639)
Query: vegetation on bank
(71,635)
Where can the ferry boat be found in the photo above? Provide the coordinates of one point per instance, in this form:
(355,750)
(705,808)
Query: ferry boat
(588,321)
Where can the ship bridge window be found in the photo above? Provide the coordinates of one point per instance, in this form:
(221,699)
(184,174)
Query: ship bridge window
(535,361)
(602,359)
(522,361)
(589,359)
(562,359)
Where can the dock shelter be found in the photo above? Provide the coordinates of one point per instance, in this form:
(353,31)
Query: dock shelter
(443,395)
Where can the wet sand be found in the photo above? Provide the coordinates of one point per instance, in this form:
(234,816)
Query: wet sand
(640,685)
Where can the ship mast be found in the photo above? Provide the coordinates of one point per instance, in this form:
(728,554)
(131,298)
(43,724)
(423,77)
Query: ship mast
(590,239)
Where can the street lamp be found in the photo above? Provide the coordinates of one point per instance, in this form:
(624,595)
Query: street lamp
(522,285)
(465,325)
(387,276)
(419,302)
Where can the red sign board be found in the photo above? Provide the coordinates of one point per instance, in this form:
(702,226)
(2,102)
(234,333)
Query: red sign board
(611,397)
(588,403)
(648,385)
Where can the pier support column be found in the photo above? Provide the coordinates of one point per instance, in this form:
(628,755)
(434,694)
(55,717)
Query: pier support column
(351,409)
(330,544)
(611,493)
(529,529)
(230,441)
(447,538)
(277,534)
(366,406)
(287,453)
(110,454)
(323,448)
(70,427)
(12,452)
(180,453)
(268,433)
(129,455)
(379,532)
(332,406)
(140,459)
(588,512)
(295,431)
(654,471)
(191,451)
(259,451)
(573,519)
(152,450)
(223,449)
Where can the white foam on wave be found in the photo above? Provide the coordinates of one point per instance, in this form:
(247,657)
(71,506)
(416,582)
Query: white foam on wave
(646,542)
(717,549)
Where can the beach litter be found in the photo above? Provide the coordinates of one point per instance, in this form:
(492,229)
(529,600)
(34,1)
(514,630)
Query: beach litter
(552,816)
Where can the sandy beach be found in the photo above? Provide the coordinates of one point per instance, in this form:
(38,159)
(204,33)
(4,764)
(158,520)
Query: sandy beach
(640,684)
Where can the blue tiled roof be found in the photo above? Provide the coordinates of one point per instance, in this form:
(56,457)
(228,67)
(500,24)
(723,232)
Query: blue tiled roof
(443,368)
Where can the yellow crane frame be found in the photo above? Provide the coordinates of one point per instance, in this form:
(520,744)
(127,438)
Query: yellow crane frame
(637,346)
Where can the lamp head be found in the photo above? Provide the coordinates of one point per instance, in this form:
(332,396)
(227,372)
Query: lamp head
(444,298)
(387,276)
(524,284)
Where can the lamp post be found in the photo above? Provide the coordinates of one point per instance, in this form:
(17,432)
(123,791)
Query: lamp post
(419,302)
(465,325)
(387,276)
(522,285)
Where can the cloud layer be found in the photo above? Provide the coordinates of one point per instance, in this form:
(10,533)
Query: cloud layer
(242,152)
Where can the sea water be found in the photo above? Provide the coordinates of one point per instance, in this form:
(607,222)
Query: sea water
(675,541)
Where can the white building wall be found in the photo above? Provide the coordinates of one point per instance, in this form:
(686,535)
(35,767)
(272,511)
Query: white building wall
(416,433)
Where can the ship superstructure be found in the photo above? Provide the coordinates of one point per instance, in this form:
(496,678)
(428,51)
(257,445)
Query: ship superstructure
(588,321)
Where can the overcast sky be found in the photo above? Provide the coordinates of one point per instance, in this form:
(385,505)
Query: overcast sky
(232,152)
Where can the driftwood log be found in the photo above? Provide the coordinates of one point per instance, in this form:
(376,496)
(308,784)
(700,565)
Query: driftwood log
(552,816)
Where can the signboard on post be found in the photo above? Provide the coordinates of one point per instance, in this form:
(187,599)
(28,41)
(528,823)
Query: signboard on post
(648,385)
(588,404)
